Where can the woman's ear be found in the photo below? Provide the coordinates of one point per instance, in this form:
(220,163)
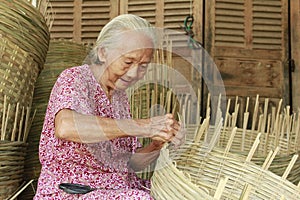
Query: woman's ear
(101,54)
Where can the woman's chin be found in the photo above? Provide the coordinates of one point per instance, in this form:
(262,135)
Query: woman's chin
(123,86)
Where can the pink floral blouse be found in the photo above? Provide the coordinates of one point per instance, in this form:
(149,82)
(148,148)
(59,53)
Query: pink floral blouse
(101,165)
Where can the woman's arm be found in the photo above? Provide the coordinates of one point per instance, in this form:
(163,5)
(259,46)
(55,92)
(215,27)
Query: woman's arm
(72,126)
(145,156)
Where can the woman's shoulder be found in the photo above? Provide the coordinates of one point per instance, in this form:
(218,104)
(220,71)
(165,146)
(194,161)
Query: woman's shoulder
(75,73)
(76,70)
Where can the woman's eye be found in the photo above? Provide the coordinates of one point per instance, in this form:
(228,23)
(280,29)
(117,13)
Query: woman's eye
(143,67)
(128,62)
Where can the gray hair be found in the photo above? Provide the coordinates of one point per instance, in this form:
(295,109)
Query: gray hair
(111,32)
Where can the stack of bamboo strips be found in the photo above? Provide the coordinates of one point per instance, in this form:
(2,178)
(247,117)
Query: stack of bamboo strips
(62,54)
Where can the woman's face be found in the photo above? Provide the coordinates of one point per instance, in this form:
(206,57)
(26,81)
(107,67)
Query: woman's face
(133,66)
(128,63)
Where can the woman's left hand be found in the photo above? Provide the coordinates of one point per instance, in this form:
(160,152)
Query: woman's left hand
(179,137)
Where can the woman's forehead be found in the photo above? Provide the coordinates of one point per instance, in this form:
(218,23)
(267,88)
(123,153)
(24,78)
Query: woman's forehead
(135,40)
(139,54)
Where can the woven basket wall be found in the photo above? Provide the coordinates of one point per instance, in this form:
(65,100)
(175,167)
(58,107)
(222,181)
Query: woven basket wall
(25,26)
(12,156)
(205,169)
(268,142)
(24,44)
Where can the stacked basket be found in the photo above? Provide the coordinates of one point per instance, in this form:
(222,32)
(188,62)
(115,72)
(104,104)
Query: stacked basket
(24,38)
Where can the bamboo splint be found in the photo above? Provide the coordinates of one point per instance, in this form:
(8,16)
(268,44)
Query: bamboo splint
(21,124)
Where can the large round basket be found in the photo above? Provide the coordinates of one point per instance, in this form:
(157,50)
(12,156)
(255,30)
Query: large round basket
(25,26)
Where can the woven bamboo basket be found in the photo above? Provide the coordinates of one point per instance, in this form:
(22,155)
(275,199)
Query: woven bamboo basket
(17,79)
(12,156)
(205,168)
(25,26)
(13,148)
(279,129)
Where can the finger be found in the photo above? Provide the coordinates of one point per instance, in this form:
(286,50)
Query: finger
(177,142)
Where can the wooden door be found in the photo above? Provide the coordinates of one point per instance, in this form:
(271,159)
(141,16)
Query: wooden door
(248,41)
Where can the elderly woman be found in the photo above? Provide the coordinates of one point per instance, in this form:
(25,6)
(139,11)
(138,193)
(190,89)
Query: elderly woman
(88,137)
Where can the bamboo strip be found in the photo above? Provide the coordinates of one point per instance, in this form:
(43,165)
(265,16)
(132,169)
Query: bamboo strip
(6,120)
(21,124)
(3,118)
(289,168)
(13,135)
(253,149)
(220,187)
(246,192)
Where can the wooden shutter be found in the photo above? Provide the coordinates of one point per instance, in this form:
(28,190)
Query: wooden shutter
(80,20)
(248,42)
(94,15)
(168,14)
(62,26)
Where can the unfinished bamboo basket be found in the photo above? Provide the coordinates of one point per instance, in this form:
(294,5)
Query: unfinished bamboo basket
(279,129)
(197,164)
(17,80)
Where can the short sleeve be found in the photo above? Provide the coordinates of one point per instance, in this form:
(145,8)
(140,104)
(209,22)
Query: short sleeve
(69,92)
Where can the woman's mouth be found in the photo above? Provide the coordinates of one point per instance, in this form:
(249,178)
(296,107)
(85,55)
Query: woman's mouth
(125,82)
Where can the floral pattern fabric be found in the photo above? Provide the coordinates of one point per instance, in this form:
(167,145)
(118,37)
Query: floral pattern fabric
(101,165)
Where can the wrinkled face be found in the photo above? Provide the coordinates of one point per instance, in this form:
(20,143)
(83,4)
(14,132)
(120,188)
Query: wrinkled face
(128,63)
(134,66)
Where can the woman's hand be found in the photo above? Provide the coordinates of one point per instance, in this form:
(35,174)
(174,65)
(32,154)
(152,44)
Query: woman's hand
(163,128)
(179,137)
(167,129)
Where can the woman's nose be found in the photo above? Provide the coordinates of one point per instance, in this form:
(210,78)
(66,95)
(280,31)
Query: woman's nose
(132,72)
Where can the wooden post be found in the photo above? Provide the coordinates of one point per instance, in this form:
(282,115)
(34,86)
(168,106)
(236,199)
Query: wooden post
(295,50)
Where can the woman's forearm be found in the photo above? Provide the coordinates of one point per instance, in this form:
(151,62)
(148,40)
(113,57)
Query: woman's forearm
(72,126)
(145,156)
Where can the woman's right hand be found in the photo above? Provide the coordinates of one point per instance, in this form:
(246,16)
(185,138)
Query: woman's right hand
(162,128)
